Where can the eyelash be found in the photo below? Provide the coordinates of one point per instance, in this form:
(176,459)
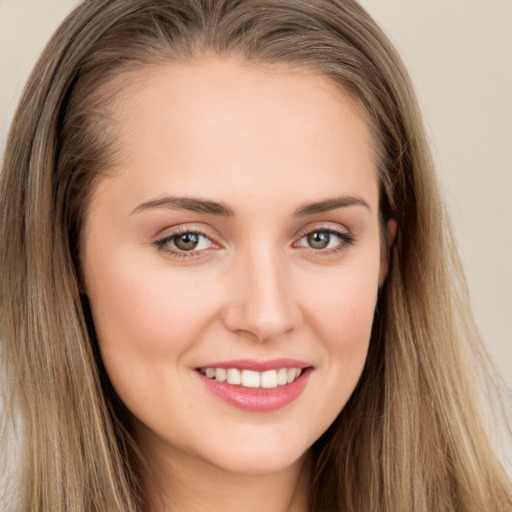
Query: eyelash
(162,244)
(346,239)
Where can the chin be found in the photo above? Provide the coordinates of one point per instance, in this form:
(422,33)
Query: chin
(259,463)
(257,456)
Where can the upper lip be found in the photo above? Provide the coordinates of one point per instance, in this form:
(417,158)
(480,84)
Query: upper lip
(259,365)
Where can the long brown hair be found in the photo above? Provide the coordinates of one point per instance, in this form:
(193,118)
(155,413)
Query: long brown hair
(411,437)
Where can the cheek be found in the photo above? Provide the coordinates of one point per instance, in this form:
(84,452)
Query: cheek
(141,304)
(145,320)
(341,314)
(342,305)
(347,320)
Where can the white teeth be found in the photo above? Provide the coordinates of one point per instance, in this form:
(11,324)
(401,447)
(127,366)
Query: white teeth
(282,378)
(269,379)
(251,379)
(234,376)
(220,374)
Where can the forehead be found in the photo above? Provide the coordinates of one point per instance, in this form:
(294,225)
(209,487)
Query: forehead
(217,122)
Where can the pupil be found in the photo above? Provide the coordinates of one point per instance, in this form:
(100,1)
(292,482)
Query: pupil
(187,241)
(319,240)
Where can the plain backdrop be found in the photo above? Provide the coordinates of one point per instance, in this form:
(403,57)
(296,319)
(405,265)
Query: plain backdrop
(459,54)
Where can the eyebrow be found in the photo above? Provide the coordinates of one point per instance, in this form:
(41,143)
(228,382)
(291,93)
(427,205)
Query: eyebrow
(188,203)
(330,204)
(223,210)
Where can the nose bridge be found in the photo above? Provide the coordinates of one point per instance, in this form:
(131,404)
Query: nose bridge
(264,303)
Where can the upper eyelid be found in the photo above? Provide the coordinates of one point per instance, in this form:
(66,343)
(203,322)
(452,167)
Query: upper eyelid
(186,228)
(345,236)
(323,226)
(171,232)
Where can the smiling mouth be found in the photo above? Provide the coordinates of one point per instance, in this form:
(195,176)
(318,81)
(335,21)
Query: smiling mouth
(269,379)
(256,386)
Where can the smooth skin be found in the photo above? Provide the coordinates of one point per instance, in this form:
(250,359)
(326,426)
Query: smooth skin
(258,274)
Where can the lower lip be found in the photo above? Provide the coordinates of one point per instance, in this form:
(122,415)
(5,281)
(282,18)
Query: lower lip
(258,399)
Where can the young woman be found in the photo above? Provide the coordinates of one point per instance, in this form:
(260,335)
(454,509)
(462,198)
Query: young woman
(228,280)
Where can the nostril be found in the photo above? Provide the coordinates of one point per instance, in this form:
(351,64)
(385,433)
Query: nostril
(262,321)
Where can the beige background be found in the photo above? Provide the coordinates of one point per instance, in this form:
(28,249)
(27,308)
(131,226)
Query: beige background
(459,53)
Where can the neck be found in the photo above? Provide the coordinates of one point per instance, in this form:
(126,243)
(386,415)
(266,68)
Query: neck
(176,481)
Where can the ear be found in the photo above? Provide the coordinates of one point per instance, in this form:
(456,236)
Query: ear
(389,238)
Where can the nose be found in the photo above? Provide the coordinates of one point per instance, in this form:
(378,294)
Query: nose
(262,304)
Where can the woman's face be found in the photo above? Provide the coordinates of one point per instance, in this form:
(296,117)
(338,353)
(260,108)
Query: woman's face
(238,239)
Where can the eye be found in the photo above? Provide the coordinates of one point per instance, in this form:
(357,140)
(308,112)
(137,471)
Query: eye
(321,240)
(185,242)
(326,239)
